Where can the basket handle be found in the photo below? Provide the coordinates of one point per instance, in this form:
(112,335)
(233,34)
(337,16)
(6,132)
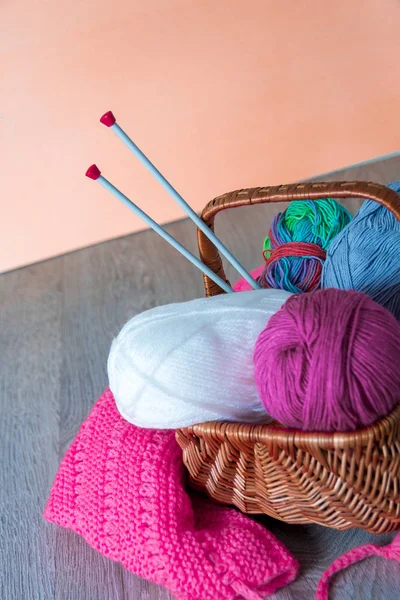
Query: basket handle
(283,193)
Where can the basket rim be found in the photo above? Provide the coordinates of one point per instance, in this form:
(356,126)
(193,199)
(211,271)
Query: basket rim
(312,190)
(274,432)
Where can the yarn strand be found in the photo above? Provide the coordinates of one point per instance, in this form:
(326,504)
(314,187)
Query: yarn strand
(391,552)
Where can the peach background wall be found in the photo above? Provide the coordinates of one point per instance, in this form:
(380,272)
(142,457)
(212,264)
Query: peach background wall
(220,94)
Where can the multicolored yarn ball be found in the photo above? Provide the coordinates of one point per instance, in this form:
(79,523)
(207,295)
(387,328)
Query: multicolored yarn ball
(329,361)
(295,249)
(365,256)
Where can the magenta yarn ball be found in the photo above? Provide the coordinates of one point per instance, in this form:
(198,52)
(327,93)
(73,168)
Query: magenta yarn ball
(329,361)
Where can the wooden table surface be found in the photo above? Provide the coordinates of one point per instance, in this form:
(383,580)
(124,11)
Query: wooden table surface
(57,320)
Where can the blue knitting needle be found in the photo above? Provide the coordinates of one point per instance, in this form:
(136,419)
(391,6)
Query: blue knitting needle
(109,120)
(94,173)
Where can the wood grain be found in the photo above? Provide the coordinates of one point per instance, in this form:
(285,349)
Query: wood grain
(57,320)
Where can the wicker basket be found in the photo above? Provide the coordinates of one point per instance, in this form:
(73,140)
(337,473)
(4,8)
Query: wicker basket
(339,480)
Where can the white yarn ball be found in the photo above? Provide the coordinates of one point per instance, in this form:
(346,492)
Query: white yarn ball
(181,364)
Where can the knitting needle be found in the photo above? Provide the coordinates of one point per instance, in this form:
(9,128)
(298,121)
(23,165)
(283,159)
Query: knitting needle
(94,173)
(109,120)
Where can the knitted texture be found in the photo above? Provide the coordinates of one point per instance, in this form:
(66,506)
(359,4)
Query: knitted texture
(122,489)
(391,551)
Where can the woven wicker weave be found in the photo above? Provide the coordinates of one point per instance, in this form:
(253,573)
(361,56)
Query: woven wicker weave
(339,480)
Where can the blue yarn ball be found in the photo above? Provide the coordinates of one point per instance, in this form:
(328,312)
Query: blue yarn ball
(365,256)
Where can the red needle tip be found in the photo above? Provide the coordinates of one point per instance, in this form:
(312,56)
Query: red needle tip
(108,119)
(93,172)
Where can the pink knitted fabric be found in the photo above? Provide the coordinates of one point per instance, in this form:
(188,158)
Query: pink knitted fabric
(391,551)
(242,286)
(122,489)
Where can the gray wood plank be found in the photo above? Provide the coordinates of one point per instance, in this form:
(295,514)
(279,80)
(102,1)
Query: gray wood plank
(30,342)
(57,320)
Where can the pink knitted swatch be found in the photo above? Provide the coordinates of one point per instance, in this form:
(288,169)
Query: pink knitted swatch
(122,489)
(391,551)
(242,286)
